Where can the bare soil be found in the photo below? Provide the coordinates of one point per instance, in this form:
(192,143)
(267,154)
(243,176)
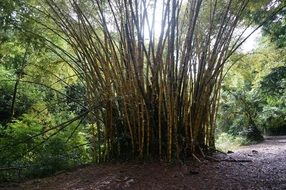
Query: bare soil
(261,166)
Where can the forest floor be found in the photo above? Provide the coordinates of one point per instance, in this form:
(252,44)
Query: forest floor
(260,166)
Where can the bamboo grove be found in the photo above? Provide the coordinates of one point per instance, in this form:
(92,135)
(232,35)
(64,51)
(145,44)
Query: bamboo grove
(152,87)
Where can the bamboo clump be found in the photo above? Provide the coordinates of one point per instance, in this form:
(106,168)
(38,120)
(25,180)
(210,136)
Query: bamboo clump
(157,87)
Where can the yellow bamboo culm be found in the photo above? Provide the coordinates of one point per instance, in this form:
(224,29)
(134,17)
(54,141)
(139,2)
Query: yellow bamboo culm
(152,87)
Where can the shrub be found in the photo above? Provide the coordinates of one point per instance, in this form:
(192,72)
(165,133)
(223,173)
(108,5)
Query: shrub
(225,142)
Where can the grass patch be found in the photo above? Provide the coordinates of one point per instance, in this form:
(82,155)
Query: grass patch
(226,142)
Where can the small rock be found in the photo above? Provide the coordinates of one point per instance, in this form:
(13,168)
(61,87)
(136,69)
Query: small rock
(254,151)
(129,182)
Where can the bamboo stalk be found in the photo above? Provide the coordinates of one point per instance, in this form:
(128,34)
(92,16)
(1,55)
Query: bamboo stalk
(155,90)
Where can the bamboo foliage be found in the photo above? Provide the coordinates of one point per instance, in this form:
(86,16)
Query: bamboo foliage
(157,82)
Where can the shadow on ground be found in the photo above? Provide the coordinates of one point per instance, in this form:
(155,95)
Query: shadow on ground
(261,166)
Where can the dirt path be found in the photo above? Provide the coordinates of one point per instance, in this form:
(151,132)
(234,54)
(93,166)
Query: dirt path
(267,170)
